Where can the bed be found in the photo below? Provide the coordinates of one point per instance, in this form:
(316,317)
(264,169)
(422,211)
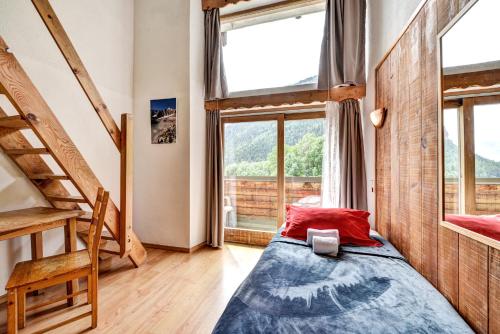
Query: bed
(364,290)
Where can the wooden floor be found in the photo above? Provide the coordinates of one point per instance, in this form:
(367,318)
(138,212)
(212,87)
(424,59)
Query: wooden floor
(171,293)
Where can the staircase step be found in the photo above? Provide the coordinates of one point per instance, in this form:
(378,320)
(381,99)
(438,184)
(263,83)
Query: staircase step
(21,151)
(106,246)
(13,122)
(73,199)
(87,217)
(82,230)
(48,177)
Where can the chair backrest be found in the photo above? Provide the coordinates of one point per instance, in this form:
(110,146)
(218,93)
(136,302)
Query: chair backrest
(97,223)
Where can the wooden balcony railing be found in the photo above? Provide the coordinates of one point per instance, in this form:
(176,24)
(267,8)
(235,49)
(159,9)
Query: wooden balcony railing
(487,196)
(257,196)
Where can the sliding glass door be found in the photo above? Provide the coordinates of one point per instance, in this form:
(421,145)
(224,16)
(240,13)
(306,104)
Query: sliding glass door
(270,161)
(303,161)
(250,174)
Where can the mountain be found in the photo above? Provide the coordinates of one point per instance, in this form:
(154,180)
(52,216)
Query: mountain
(485,168)
(253,142)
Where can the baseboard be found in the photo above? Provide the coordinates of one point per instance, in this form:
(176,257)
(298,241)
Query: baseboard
(176,249)
(3,299)
(198,247)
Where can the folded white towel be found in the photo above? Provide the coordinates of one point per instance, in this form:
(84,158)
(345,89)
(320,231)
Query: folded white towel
(325,245)
(311,232)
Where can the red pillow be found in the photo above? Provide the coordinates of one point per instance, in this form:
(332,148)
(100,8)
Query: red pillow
(353,225)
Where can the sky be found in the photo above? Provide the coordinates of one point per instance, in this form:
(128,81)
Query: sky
(273,54)
(476,39)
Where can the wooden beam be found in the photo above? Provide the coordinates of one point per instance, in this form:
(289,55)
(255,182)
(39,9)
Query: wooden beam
(452,104)
(126,183)
(212,4)
(62,40)
(28,101)
(472,79)
(272,110)
(469,92)
(468,158)
(268,9)
(305,97)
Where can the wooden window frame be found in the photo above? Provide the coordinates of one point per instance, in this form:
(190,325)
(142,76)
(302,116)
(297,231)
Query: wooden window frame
(467,177)
(280,118)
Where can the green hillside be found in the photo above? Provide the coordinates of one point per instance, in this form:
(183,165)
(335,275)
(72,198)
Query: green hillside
(485,168)
(250,148)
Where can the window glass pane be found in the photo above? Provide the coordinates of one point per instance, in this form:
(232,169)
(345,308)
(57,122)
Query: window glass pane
(274,54)
(487,149)
(451,160)
(470,31)
(250,183)
(303,161)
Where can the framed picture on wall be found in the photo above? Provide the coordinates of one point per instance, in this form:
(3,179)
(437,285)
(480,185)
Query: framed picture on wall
(163,121)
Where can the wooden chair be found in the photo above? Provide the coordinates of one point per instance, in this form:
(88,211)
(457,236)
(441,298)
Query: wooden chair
(59,269)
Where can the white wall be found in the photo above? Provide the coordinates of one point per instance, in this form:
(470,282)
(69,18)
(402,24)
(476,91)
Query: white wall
(385,21)
(102,32)
(197,124)
(169,178)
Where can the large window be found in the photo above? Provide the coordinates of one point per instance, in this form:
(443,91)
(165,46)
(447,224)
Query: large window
(256,186)
(281,52)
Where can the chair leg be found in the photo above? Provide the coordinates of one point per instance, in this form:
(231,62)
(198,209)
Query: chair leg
(94,299)
(21,309)
(12,311)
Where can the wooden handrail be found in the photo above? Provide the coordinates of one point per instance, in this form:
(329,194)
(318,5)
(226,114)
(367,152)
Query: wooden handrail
(62,40)
(126,183)
(304,97)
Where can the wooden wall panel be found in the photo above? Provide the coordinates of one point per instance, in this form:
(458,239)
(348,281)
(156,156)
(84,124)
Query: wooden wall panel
(494,290)
(448,265)
(473,283)
(404,115)
(414,143)
(383,199)
(465,271)
(394,103)
(429,142)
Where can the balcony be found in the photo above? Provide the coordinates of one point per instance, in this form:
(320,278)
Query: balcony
(251,202)
(487,196)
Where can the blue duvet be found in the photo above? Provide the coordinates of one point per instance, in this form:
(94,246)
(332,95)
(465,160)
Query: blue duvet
(364,290)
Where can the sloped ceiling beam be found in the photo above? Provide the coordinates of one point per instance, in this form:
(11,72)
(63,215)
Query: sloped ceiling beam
(211,4)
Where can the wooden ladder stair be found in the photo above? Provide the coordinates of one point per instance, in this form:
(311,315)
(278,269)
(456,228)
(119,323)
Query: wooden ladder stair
(35,115)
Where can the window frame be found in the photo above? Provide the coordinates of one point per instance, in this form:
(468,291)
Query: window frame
(466,129)
(265,14)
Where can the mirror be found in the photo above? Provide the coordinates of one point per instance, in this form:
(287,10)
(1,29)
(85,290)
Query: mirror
(470,92)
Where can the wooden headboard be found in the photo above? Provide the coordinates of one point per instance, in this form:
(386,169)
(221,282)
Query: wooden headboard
(466,271)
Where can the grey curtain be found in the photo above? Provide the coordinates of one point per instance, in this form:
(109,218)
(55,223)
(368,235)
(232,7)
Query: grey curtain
(214,179)
(343,48)
(351,157)
(215,77)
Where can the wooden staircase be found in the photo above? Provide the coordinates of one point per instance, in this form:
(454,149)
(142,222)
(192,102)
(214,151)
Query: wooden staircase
(36,115)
